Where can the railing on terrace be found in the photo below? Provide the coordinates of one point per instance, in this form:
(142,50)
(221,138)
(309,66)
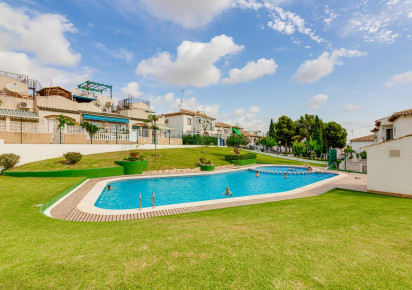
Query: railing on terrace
(27,127)
(110,136)
(74,130)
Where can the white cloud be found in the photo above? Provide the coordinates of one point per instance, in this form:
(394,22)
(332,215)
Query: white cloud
(21,63)
(193,64)
(350,108)
(312,70)
(41,34)
(251,71)
(317,101)
(331,15)
(410,15)
(402,78)
(187,13)
(119,53)
(288,22)
(132,89)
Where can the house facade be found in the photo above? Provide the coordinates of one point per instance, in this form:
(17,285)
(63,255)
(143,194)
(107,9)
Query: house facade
(190,122)
(397,125)
(358,143)
(29,114)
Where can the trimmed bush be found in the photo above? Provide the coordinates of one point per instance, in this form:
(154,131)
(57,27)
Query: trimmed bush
(73,157)
(8,160)
(134,156)
(198,140)
(241,156)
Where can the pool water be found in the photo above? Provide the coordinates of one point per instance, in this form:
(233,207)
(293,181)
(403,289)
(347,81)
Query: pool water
(174,190)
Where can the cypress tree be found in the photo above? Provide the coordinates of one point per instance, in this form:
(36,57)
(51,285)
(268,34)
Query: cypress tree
(317,136)
(272,132)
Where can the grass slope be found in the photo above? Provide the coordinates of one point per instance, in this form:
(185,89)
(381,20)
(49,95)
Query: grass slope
(167,159)
(341,239)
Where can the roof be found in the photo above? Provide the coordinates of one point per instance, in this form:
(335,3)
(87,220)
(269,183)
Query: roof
(410,135)
(368,138)
(396,115)
(190,113)
(164,127)
(220,124)
(250,134)
(17,114)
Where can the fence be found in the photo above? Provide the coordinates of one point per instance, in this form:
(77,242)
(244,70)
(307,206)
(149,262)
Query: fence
(110,136)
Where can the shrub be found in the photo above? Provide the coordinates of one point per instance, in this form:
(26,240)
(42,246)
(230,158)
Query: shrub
(363,155)
(134,156)
(198,140)
(209,162)
(8,160)
(202,160)
(73,157)
(240,157)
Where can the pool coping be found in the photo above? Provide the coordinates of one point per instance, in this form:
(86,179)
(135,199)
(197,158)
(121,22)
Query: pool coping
(86,206)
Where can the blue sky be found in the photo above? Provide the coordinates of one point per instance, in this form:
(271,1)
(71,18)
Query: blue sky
(242,61)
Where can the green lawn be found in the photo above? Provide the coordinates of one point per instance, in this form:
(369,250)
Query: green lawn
(167,159)
(342,239)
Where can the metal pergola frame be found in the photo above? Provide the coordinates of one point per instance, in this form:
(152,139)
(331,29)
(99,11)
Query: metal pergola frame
(95,87)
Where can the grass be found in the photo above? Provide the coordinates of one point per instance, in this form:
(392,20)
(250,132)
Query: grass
(167,159)
(342,239)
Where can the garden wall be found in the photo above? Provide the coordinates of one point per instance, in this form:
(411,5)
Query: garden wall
(36,152)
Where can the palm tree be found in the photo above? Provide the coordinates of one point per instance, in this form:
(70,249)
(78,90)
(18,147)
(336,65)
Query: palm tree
(152,119)
(205,125)
(63,120)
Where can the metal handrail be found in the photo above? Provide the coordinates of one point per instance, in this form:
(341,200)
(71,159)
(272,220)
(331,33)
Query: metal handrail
(332,165)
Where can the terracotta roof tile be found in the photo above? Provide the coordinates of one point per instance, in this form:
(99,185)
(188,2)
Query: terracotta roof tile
(368,138)
(396,115)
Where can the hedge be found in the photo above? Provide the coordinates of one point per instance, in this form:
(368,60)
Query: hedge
(198,140)
(240,156)
(90,173)
(244,162)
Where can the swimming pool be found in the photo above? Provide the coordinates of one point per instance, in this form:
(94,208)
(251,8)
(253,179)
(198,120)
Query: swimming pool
(186,189)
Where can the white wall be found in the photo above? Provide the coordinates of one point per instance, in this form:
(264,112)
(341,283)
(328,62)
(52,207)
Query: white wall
(356,146)
(402,126)
(36,152)
(390,174)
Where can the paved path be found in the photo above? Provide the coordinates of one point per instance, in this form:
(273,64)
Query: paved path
(67,210)
(287,157)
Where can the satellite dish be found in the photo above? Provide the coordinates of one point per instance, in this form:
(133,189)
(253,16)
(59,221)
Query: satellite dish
(15,87)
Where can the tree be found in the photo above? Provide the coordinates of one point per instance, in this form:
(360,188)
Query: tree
(317,136)
(272,132)
(152,119)
(311,145)
(285,130)
(63,120)
(89,127)
(297,148)
(268,142)
(205,124)
(335,135)
(235,140)
(305,126)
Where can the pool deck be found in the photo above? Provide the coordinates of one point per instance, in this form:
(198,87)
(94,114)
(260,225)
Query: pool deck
(68,209)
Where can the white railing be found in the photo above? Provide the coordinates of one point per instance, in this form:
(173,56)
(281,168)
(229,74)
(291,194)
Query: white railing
(110,136)
(74,130)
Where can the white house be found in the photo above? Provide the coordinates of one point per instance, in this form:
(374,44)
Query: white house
(389,166)
(189,122)
(397,125)
(358,143)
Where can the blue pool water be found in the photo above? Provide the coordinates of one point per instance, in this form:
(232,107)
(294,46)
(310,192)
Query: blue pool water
(174,190)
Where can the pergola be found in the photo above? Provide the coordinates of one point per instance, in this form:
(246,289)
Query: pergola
(95,87)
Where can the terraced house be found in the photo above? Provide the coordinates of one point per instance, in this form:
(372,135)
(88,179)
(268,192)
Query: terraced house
(30,113)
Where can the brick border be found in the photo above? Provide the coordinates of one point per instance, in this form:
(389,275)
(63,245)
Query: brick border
(67,209)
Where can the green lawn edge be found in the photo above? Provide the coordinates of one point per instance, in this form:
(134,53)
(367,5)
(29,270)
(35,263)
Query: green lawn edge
(61,195)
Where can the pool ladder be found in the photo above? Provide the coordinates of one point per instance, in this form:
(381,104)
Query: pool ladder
(140,200)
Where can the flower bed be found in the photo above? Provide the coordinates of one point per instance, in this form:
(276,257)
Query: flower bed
(207,167)
(133,167)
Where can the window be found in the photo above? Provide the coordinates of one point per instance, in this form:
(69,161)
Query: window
(189,121)
(167,121)
(200,121)
(225,131)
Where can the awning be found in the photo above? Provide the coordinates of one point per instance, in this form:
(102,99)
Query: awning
(105,119)
(84,98)
(164,127)
(236,131)
(17,114)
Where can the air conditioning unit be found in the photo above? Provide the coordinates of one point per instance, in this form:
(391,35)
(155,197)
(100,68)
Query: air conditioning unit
(25,105)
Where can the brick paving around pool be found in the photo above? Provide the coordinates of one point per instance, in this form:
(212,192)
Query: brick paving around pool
(67,209)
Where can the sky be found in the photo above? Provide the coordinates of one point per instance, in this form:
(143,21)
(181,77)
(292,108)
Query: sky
(242,61)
